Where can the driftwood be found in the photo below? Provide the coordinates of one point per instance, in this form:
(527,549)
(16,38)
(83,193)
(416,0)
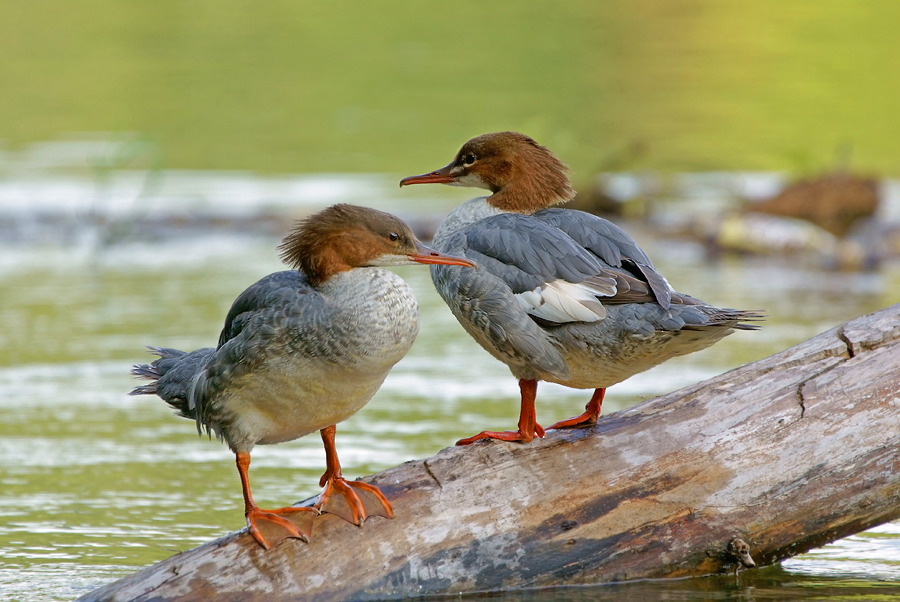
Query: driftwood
(782,455)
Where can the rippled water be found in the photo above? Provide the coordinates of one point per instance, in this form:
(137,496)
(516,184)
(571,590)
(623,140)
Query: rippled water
(96,484)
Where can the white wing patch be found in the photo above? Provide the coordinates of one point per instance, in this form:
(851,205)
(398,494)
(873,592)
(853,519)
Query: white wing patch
(560,301)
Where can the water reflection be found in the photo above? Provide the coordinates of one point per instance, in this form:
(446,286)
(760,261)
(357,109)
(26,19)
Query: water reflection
(771,584)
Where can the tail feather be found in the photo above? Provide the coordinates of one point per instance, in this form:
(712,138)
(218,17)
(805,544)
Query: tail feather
(144,390)
(154,370)
(741,317)
(171,376)
(731,318)
(147,371)
(150,372)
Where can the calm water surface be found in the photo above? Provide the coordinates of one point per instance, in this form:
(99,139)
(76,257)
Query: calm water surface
(96,484)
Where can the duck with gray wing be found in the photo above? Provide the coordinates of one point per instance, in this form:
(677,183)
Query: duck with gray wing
(559,295)
(301,351)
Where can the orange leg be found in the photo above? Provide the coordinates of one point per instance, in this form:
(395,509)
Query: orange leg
(270,527)
(590,415)
(351,500)
(528,426)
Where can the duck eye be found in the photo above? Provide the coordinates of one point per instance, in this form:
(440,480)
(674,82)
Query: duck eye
(469,159)
(393,236)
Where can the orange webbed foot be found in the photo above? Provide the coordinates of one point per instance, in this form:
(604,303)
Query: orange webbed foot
(519,435)
(271,527)
(585,419)
(588,417)
(528,426)
(353,501)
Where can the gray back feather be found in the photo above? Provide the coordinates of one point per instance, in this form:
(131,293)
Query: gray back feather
(610,244)
(481,301)
(256,327)
(190,382)
(525,253)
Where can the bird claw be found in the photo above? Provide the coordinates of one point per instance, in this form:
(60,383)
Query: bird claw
(353,501)
(271,527)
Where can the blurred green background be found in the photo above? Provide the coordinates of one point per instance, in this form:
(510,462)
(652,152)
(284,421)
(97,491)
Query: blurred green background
(293,86)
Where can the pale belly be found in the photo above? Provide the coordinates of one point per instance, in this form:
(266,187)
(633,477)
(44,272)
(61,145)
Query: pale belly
(603,365)
(307,364)
(288,401)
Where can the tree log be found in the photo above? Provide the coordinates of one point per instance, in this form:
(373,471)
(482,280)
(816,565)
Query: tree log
(785,454)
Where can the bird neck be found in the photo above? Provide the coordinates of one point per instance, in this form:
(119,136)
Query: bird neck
(531,190)
(461,217)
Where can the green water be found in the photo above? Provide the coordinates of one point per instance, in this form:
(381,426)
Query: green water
(397,86)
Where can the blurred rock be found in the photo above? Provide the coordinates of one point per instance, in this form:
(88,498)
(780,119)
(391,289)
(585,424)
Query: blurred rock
(617,194)
(765,234)
(614,191)
(832,201)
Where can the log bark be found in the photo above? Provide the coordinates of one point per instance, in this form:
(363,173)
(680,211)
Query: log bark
(785,454)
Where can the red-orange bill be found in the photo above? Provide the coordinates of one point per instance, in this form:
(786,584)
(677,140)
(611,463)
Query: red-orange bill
(441,176)
(427,255)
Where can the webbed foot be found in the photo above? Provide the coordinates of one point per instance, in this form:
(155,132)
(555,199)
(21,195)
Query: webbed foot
(590,415)
(520,435)
(353,501)
(271,527)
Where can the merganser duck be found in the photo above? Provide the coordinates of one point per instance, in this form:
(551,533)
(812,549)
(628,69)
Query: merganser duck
(559,295)
(302,350)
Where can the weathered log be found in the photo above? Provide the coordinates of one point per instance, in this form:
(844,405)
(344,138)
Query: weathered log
(785,454)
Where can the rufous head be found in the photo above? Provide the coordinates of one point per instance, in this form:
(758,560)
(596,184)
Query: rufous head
(522,175)
(343,237)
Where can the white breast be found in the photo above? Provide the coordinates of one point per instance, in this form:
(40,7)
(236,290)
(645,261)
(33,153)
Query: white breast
(371,322)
